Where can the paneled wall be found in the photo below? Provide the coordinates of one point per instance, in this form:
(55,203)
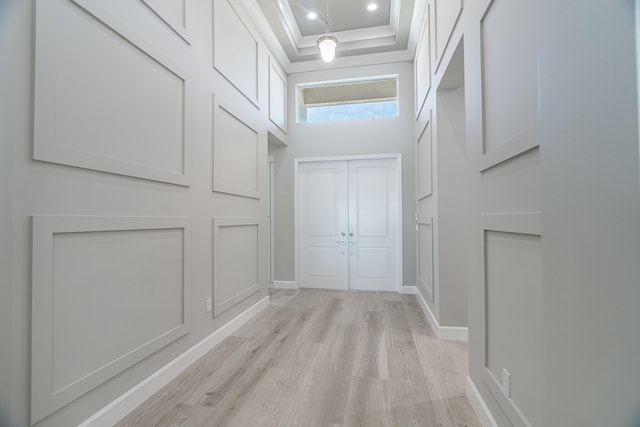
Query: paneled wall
(478,180)
(591,212)
(552,208)
(505,244)
(440,154)
(139,194)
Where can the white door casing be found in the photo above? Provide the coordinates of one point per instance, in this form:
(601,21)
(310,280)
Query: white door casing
(348,222)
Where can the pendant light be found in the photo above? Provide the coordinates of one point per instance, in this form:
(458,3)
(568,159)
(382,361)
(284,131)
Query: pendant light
(327,43)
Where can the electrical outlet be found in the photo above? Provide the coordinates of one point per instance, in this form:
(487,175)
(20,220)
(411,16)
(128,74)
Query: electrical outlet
(506,382)
(208,305)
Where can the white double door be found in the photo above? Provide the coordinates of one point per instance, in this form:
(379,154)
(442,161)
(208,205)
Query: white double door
(349,224)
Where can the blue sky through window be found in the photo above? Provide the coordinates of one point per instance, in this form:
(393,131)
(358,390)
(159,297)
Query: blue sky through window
(366,110)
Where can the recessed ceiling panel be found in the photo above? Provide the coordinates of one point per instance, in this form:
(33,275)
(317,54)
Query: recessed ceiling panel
(343,15)
(358,30)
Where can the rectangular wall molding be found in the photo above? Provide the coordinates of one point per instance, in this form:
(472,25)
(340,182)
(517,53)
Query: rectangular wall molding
(447,13)
(507,405)
(236,155)
(277,95)
(479,405)
(173,13)
(424,165)
(82,124)
(426,258)
(235,50)
(422,65)
(523,231)
(87,269)
(508,128)
(236,261)
(123,405)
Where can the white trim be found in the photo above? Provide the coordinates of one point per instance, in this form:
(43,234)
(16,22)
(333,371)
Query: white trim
(255,15)
(271,229)
(479,406)
(356,37)
(123,405)
(637,4)
(296,188)
(451,333)
(408,290)
(283,284)
(351,61)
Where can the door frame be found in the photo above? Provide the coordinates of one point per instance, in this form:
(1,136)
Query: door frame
(296,200)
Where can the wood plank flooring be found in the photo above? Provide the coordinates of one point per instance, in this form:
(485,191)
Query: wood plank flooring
(318,358)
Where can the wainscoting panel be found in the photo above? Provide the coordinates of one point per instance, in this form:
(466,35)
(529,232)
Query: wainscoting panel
(422,65)
(236,261)
(236,152)
(425,162)
(107,292)
(173,13)
(130,121)
(425,257)
(277,95)
(235,50)
(510,100)
(513,284)
(447,13)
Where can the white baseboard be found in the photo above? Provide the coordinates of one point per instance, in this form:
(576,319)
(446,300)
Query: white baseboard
(283,284)
(479,405)
(408,290)
(451,333)
(123,405)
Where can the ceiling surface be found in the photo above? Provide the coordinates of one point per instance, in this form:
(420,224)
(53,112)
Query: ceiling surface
(343,15)
(358,30)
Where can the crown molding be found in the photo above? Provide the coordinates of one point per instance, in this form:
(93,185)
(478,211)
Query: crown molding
(351,61)
(253,12)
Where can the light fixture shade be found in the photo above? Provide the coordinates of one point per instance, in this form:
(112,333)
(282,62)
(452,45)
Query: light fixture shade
(327,45)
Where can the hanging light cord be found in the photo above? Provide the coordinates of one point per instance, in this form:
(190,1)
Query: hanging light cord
(326,20)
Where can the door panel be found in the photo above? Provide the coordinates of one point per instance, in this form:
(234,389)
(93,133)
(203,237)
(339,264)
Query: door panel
(373,225)
(349,222)
(323,220)
(372,196)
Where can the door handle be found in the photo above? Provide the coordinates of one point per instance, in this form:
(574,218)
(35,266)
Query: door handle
(341,242)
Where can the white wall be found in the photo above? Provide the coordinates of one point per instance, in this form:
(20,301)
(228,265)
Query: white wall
(553,210)
(504,240)
(14,296)
(340,138)
(451,183)
(442,167)
(130,102)
(591,216)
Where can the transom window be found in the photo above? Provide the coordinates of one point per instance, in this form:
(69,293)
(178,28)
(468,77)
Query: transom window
(368,98)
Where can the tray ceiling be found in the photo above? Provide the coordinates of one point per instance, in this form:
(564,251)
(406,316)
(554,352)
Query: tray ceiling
(359,30)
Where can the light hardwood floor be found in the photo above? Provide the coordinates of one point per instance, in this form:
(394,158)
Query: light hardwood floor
(322,358)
